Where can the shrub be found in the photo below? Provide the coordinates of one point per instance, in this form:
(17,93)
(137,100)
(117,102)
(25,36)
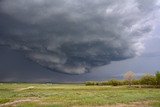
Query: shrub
(103,83)
(136,82)
(148,80)
(114,82)
(125,82)
(158,77)
(89,83)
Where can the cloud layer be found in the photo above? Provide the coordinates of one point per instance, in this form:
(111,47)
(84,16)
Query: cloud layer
(74,36)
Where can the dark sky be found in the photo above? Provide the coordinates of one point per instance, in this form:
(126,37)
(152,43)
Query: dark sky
(78,40)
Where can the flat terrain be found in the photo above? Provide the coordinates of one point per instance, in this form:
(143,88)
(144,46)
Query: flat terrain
(76,95)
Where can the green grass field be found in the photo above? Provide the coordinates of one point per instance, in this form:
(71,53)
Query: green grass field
(73,95)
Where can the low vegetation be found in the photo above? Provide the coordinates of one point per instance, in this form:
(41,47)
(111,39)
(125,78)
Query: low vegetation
(73,95)
(145,81)
(113,93)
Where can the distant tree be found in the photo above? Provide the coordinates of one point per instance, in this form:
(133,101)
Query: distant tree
(148,80)
(158,77)
(129,76)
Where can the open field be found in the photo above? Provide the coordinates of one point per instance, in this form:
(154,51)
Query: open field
(76,95)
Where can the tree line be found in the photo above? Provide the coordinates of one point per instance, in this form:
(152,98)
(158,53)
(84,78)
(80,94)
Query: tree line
(146,80)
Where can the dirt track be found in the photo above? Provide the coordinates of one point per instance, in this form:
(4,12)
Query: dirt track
(14,103)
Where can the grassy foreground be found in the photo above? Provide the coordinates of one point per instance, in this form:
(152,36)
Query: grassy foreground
(68,95)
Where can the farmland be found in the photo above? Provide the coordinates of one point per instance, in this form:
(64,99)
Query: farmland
(76,95)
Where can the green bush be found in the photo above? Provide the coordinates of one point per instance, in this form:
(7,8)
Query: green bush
(133,82)
(104,83)
(158,77)
(110,82)
(125,82)
(91,83)
(136,82)
(148,80)
(114,82)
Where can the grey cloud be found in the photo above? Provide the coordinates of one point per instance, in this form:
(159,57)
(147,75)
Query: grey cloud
(74,36)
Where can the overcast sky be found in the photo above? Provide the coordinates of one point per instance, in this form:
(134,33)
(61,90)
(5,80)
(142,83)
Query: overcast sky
(78,40)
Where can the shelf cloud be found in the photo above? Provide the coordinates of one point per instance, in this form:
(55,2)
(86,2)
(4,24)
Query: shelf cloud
(74,36)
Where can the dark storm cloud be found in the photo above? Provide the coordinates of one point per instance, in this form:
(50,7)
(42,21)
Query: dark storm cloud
(73,36)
